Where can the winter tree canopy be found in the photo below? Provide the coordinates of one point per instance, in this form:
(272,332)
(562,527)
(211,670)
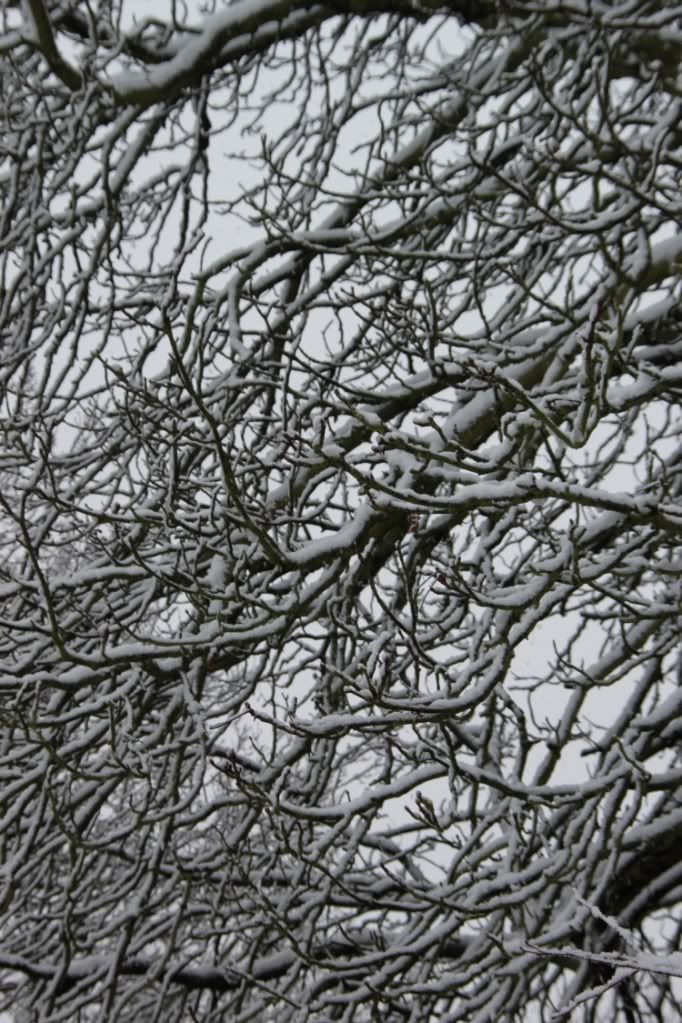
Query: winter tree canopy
(340,511)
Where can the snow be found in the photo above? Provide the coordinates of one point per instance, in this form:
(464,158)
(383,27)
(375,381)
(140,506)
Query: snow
(345,538)
(227,24)
(668,710)
(215,575)
(374,796)
(30,30)
(333,451)
(370,418)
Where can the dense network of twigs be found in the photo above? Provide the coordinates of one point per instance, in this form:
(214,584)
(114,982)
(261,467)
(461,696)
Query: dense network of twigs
(340,511)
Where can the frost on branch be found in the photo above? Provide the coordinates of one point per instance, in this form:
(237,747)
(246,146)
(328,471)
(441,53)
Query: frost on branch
(340,515)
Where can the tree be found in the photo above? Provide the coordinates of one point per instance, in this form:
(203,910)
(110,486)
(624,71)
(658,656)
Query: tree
(341,473)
